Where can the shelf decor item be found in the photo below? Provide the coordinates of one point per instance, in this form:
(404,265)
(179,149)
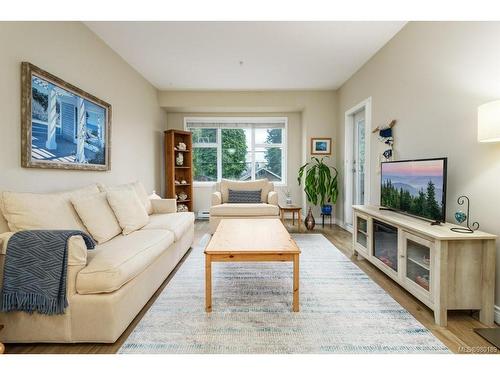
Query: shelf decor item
(179,168)
(179,160)
(63,127)
(320,184)
(460,217)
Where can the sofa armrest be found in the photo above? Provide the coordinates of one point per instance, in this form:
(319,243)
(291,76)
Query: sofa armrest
(272,198)
(77,258)
(164,206)
(216,198)
(77,249)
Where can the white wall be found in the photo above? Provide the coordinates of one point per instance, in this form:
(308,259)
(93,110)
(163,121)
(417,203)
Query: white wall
(310,114)
(72,52)
(431,77)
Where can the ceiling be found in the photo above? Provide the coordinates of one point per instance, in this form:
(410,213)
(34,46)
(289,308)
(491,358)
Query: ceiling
(246,55)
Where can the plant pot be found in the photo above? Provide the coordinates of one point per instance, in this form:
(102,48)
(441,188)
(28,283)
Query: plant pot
(326,209)
(309,222)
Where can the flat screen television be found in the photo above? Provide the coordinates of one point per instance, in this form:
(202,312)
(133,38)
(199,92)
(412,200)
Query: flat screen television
(415,187)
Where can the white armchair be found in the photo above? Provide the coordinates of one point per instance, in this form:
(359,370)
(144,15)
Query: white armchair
(222,209)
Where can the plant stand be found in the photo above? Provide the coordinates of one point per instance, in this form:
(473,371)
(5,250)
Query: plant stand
(323,219)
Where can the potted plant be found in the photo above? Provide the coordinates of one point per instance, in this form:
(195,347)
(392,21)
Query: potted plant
(320,186)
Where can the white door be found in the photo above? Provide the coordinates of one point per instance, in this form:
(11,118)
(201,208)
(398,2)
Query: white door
(355,163)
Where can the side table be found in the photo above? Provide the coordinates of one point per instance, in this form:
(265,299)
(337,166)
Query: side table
(293,209)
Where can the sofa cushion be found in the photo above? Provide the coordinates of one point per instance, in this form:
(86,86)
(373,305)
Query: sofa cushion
(128,209)
(138,187)
(178,222)
(119,260)
(25,211)
(97,216)
(263,184)
(244,209)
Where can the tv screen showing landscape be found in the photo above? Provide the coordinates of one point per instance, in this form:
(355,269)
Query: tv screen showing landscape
(415,187)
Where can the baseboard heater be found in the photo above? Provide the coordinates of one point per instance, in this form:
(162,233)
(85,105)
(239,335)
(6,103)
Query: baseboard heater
(203,215)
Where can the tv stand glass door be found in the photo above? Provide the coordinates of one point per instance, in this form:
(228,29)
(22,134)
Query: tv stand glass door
(385,244)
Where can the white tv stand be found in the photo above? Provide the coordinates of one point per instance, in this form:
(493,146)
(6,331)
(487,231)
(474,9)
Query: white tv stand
(443,269)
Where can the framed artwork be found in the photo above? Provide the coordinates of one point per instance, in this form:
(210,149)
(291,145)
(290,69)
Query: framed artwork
(321,146)
(63,126)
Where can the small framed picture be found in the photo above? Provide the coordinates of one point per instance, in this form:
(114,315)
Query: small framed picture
(321,146)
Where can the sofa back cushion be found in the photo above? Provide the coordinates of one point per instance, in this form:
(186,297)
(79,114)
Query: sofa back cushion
(264,185)
(97,216)
(139,189)
(25,211)
(128,209)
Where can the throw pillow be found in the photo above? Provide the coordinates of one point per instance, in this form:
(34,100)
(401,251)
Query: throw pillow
(97,216)
(138,187)
(128,209)
(244,196)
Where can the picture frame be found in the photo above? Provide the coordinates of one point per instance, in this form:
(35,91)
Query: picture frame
(321,146)
(62,126)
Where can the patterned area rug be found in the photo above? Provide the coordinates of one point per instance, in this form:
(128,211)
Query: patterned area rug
(342,310)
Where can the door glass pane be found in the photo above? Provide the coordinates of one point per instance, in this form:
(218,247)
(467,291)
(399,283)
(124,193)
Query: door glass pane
(385,244)
(361,162)
(418,263)
(236,156)
(205,164)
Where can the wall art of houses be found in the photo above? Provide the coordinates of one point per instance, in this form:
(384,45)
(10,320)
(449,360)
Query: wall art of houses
(63,126)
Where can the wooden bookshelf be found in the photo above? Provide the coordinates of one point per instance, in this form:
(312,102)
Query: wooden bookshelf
(179,172)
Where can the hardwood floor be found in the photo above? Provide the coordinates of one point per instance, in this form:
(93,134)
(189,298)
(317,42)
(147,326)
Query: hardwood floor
(458,335)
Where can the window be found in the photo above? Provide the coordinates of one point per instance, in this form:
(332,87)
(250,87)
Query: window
(242,149)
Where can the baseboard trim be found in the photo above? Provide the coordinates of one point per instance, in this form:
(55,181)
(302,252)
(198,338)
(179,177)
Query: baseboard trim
(497,314)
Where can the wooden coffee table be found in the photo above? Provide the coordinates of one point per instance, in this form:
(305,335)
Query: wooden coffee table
(2,347)
(251,240)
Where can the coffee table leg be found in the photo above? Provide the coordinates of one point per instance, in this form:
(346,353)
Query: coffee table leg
(300,220)
(296,283)
(208,283)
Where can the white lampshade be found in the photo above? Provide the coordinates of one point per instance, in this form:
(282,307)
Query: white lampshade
(488,122)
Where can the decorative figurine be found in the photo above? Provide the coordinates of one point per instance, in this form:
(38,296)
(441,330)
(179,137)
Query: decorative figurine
(460,217)
(182,208)
(181,146)
(183,182)
(182,196)
(179,160)
(177,182)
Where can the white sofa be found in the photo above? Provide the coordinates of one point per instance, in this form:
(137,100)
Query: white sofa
(107,286)
(221,209)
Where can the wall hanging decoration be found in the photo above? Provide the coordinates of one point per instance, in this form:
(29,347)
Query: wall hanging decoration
(321,146)
(385,135)
(63,126)
(461,217)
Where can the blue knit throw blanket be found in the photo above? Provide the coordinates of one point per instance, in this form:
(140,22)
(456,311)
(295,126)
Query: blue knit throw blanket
(35,269)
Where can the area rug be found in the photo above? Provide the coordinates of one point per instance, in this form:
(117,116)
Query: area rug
(341,310)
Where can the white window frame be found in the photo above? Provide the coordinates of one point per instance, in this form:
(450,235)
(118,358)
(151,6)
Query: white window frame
(245,120)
